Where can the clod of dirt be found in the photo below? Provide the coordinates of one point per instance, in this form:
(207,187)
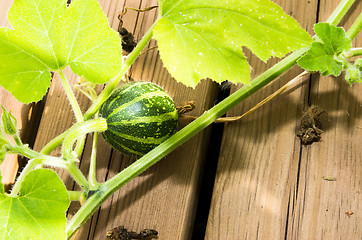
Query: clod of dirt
(121,233)
(311,127)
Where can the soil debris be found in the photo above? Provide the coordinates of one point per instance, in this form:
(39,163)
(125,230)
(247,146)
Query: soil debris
(121,233)
(311,127)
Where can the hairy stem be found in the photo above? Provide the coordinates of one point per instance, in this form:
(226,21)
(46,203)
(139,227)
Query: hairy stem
(95,125)
(56,142)
(53,162)
(355,28)
(93,163)
(353,52)
(29,166)
(73,101)
(340,11)
(75,195)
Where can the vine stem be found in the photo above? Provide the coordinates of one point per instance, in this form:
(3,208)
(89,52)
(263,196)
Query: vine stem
(73,101)
(108,188)
(29,166)
(355,28)
(80,129)
(74,171)
(340,11)
(353,52)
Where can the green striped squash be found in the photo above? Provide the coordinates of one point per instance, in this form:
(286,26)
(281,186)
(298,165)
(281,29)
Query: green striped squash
(140,116)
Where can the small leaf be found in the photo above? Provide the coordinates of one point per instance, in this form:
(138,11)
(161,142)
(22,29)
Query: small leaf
(322,56)
(9,122)
(39,210)
(354,72)
(48,36)
(204,38)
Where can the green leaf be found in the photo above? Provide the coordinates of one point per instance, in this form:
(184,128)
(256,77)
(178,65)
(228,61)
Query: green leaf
(323,55)
(39,210)
(48,36)
(204,38)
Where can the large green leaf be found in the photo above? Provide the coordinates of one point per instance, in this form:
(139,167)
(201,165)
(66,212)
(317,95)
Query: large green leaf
(39,210)
(48,36)
(323,55)
(203,38)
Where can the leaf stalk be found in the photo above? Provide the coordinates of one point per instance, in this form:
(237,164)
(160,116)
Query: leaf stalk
(73,101)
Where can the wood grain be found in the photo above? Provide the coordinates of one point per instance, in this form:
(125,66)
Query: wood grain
(268,186)
(258,165)
(320,208)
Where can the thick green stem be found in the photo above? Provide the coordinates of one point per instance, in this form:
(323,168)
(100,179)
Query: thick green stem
(56,142)
(77,175)
(353,52)
(355,28)
(340,11)
(114,82)
(53,162)
(73,101)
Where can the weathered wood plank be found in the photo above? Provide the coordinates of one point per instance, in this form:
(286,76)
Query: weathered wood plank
(319,211)
(163,198)
(258,165)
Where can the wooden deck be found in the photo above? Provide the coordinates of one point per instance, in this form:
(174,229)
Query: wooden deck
(250,179)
